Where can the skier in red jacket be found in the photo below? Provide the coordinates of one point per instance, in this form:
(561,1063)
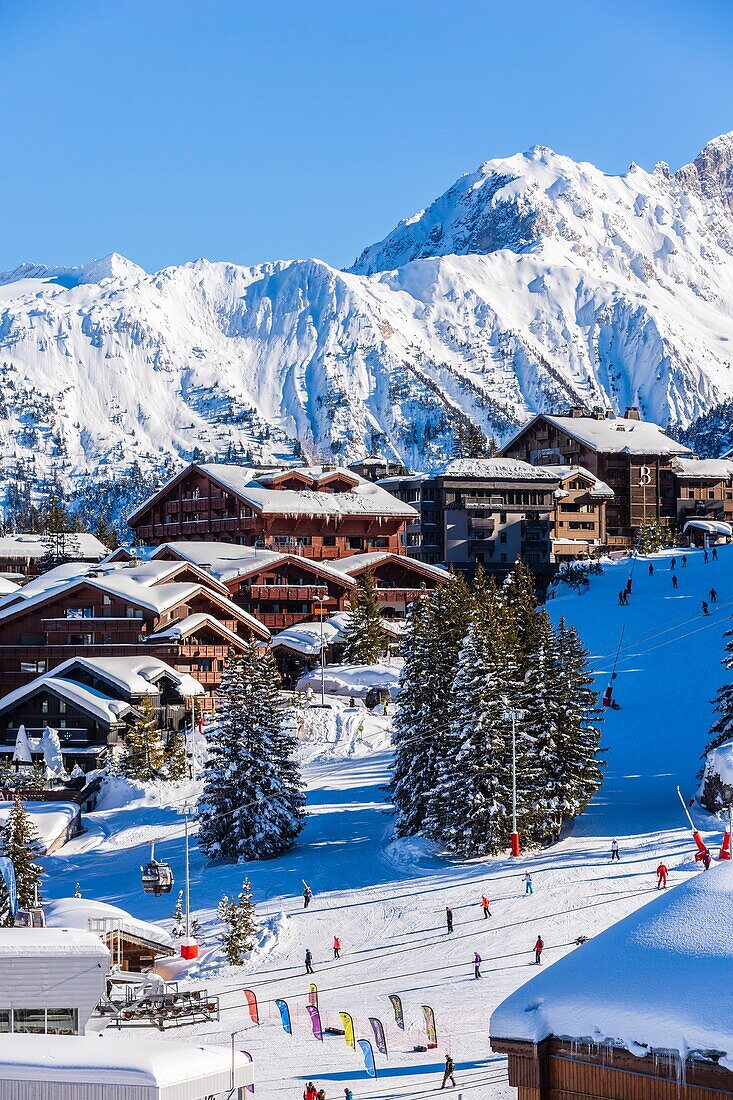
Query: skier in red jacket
(662,876)
(538,949)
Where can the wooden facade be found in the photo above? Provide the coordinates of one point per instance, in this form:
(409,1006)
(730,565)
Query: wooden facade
(579,522)
(202,503)
(558,1069)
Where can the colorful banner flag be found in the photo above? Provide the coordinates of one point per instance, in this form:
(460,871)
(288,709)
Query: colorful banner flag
(430,1025)
(313,995)
(246,1053)
(348,1023)
(399,1019)
(315,1016)
(379,1038)
(285,1017)
(254,1012)
(366,1049)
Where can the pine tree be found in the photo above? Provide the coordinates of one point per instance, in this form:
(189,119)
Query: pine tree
(240,925)
(722,728)
(107,534)
(176,763)
(21,844)
(77,890)
(144,753)
(179,928)
(252,803)
(520,600)
(58,537)
(538,765)
(6,915)
(364,638)
(578,770)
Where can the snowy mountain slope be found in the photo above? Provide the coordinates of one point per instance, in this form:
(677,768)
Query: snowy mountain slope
(535,282)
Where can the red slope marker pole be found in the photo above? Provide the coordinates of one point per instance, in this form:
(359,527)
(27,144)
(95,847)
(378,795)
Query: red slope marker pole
(701,845)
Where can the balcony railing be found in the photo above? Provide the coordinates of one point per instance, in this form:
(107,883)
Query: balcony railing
(287,592)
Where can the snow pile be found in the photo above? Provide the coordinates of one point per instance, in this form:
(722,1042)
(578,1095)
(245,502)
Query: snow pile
(51,819)
(720,762)
(354,680)
(342,731)
(658,980)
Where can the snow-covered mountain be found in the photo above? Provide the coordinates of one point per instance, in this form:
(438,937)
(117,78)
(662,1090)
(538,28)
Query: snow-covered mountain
(535,282)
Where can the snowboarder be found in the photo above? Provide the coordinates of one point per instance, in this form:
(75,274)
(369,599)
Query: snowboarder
(476,965)
(715,553)
(448,1073)
(662,876)
(705,608)
(538,949)
(336,947)
(310,1092)
(672,564)
(651,569)
(449,918)
(527,882)
(308,961)
(674,580)
(485,907)
(615,851)
(705,557)
(684,561)
(713,596)
(307,895)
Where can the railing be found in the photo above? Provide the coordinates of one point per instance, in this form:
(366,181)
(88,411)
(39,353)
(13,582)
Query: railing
(287,592)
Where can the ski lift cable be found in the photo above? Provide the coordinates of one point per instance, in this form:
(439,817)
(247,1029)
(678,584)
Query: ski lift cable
(722,604)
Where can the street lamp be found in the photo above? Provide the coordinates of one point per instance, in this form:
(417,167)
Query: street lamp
(511,713)
(321,612)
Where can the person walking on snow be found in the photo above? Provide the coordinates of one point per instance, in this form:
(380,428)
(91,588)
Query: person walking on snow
(527,882)
(651,569)
(538,949)
(348,1094)
(706,860)
(713,596)
(662,876)
(308,961)
(672,564)
(476,965)
(336,947)
(621,599)
(715,553)
(705,608)
(615,851)
(449,919)
(674,580)
(449,1072)
(684,561)
(705,557)
(310,1092)
(307,895)
(485,907)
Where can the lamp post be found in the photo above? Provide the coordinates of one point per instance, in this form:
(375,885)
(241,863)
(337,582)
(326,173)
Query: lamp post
(513,714)
(321,611)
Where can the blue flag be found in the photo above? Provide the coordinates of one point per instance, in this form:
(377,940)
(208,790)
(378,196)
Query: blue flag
(285,1017)
(366,1049)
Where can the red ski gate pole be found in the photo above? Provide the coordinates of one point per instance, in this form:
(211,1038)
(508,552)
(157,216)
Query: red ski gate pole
(701,845)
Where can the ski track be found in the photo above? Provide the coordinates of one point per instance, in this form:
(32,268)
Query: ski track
(386,899)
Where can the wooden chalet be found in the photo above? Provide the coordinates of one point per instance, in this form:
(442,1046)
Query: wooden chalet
(397,578)
(318,512)
(579,521)
(633,457)
(704,489)
(640,1012)
(161,609)
(89,702)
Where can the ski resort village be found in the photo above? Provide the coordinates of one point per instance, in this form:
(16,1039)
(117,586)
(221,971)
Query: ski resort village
(366,621)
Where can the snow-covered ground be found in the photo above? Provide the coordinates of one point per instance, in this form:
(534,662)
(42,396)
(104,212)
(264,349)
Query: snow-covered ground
(51,819)
(386,899)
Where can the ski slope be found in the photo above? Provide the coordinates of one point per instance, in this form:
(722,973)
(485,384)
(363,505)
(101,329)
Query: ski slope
(386,899)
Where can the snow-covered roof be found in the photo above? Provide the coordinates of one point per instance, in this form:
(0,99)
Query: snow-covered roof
(245,560)
(494,469)
(8,587)
(104,708)
(356,680)
(616,434)
(706,469)
(137,675)
(80,545)
(356,563)
(190,623)
(124,1061)
(657,980)
(598,488)
(77,912)
(23,942)
(709,526)
(305,638)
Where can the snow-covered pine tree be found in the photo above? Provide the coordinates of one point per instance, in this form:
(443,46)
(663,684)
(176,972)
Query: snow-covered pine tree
(578,770)
(520,600)
(175,764)
(240,925)
(143,756)
(722,728)
(77,890)
(540,794)
(252,803)
(179,928)
(6,915)
(436,631)
(363,639)
(21,844)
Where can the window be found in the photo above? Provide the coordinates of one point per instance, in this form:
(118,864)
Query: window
(29,1020)
(44,706)
(329,540)
(79,613)
(4,1019)
(79,639)
(62,706)
(33,639)
(691,494)
(33,666)
(61,1021)
(711,494)
(502,536)
(133,613)
(354,542)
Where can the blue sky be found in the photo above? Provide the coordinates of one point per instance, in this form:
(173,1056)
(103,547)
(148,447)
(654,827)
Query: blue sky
(249,130)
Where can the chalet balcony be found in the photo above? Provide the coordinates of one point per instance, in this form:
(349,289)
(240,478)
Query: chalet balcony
(281,593)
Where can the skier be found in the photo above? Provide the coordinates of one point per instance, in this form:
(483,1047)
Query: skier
(651,569)
(684,561)
(449,918)
(713,596)
(538,949)
(705,557)
(310,1092)
(385,703)
(621,599)
(662,876)
(706,860)
(307,895)
(527,883)
(448,1074)
(348,1094)
(715,553)
(674,580)
(485,907)
(321,1094)
(476,965)
(336,947)
(672,564)
(308,961)
(615,851)
(705,608)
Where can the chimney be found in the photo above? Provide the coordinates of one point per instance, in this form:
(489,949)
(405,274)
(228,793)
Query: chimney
(632,413)
(576,412)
